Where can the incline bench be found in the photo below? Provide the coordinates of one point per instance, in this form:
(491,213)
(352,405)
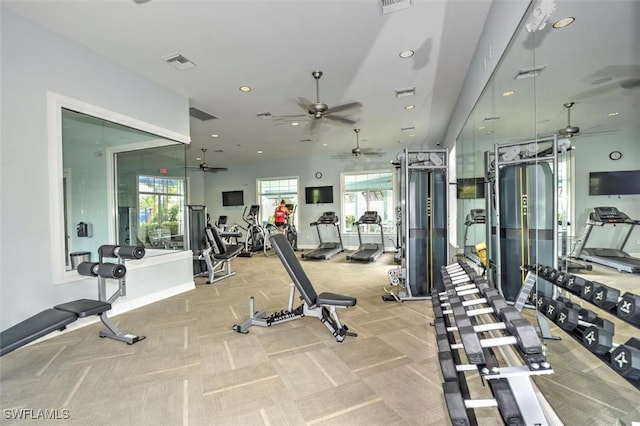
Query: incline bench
(322,306)
(47,321)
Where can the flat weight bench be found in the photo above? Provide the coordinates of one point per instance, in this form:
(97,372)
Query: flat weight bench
(48,321)
(322,306)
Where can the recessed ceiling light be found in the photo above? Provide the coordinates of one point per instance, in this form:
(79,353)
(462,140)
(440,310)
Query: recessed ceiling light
(214,135)
(259,152)
(325,144)
(198,158)
(480,127)
(245,89)
(613,114)
(409,106)
(411,135)
(564,22)
(407,54)
(295,123)
(508,93)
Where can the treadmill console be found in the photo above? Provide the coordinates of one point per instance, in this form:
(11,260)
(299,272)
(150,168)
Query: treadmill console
(608,214)
(369,218)
(328,217)
(478,215)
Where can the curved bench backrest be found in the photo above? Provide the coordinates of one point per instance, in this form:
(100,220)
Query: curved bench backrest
(291,263)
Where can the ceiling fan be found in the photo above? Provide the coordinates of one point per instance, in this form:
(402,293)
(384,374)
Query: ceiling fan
(205,167)
(319,109)
(357,151)
(570,130)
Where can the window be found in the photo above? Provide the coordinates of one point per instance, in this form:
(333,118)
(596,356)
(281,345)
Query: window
(161,211)
(366,192)
(272,191)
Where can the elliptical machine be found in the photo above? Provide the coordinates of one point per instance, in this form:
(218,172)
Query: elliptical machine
(290,228)
(255,236)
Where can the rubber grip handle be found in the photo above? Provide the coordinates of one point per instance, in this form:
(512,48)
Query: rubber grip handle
(111,270)
(87,269)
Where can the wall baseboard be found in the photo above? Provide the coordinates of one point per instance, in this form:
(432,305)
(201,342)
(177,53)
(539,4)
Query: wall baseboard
(121,308)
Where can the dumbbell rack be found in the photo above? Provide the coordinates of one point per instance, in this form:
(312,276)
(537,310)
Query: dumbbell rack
(593,332)
(473,324)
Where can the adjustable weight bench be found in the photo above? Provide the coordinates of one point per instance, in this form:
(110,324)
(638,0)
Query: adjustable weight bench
(48,321)
(322,306)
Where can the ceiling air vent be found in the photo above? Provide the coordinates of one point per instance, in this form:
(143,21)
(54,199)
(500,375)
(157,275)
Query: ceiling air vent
(390,6)
(179,62)
(529,72)
(264,115)
(401,93)
(200,115)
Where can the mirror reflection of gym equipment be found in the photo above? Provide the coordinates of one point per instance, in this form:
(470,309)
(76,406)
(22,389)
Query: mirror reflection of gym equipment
(475,217)
(614,257)
(424,245)
(521,233)
(368,252)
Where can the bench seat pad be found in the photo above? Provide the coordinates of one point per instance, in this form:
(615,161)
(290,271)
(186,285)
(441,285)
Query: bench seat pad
(84,307)
(33,328)
(335,299)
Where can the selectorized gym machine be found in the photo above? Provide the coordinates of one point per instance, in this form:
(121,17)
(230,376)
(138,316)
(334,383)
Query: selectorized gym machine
(424,247)
(475,216)
(522,210)
(368,252)
(326,250)
(616,257)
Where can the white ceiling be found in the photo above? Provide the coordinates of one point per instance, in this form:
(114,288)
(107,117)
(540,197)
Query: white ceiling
(273,47)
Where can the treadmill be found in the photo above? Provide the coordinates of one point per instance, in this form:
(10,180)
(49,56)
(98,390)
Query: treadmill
(326,250)
(368,252)
(616,257)
(475,216)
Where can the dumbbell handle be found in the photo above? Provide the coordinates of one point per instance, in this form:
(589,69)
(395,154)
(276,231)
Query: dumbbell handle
(473,312)
(471,302)
(461,288)
(484,327)
(491,342)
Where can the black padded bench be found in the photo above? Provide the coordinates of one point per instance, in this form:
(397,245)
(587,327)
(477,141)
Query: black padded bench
(322,306)
(218,256)
(48,321)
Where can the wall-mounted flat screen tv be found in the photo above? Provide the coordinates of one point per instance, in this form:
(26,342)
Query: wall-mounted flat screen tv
(469,188)
(318,194)
(232,198)
(622,182)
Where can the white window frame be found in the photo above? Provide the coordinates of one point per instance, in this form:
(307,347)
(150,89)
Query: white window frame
(259,193)
(365,230)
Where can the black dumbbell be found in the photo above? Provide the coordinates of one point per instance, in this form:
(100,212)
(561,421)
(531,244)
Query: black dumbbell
(569,318)
(604,296)
(629,308)
(625,359)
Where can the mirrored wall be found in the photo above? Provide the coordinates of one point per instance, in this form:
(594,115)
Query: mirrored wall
(119,178)
(553,131)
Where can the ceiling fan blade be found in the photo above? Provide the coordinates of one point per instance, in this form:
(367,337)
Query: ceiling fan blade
(343,107)
(340,119)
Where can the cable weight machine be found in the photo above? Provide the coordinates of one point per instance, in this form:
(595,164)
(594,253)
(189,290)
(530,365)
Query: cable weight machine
(424,248)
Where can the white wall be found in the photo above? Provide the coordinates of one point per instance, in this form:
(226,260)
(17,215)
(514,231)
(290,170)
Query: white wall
(243,177)
(35,61)
(592,155)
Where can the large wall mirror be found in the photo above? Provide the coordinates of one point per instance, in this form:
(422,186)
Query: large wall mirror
(585,75)
(121,186)
(579,85)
